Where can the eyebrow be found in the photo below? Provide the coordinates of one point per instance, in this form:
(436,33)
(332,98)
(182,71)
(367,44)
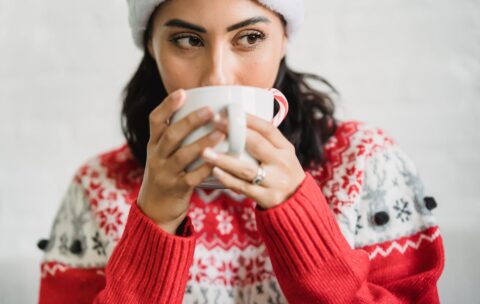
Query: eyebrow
(185,24)
(247,22)
(197,28)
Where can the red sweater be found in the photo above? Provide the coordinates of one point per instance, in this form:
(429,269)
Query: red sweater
(359,229)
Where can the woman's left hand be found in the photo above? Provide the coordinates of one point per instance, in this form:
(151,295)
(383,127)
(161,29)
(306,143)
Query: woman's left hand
(276,154)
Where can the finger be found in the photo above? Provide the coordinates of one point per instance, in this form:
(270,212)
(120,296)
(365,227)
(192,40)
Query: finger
(194,178)
(176,133)
(189,153)
(258,147)
(267,130)
(238,185)
(239,168)
(220,121)
(158,117)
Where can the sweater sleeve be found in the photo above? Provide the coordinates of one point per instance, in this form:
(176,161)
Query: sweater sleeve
(147,265)
(314,262)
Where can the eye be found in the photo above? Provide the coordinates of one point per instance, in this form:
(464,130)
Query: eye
(186,41)
(251,39)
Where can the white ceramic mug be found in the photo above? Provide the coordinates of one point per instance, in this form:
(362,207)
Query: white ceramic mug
(236,101)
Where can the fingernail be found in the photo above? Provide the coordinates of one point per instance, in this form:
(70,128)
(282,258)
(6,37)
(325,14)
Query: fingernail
(217,118)
(209,154)
(204,113)
(216,135)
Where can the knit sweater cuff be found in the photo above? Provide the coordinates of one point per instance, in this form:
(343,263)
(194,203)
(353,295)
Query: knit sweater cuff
(301,234)
(149,264)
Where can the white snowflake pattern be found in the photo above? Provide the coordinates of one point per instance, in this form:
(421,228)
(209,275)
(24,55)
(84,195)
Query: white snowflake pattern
(197,216)
(224,222)
(249,217)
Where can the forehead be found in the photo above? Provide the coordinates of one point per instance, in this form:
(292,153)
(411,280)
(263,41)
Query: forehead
(213,13)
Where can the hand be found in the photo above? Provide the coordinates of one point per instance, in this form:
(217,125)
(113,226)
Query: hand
(276,154)
(166,188)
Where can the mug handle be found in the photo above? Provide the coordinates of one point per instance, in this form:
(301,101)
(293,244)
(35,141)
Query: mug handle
(283,103)
(237,128)
(237,121)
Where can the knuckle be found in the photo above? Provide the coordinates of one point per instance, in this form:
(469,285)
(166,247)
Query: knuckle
(269,129)
(180,157)
(150,144)
(248,172)
(254,146)
(192,119)
(168,135)
(153,119)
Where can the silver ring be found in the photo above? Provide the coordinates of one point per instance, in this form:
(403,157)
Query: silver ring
(257,180)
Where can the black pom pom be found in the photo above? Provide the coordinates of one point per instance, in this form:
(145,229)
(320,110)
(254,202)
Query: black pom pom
(430,203)
(381,218)
(76,247)
(42,244)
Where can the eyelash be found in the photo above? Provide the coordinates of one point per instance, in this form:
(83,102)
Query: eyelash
(257,34)
(178,37)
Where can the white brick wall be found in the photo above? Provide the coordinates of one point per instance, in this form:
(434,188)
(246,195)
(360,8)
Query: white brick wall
(411,67)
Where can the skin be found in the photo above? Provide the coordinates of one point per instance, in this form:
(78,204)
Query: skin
(218,50)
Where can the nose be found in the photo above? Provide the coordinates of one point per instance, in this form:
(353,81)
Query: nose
(218,67)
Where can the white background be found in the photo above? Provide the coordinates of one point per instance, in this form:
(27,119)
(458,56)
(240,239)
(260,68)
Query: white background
(410,67)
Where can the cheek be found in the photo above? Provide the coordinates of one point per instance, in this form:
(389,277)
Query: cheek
(175,73)
(260,68)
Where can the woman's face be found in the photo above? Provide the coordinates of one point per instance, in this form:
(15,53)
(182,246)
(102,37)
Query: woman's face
(216,42)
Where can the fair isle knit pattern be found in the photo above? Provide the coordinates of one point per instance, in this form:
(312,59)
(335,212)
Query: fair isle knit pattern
(366,174)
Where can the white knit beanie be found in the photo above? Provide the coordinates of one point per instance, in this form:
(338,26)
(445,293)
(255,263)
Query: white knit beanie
(139,12)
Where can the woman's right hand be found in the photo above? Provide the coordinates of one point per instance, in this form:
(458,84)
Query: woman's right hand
(166,187)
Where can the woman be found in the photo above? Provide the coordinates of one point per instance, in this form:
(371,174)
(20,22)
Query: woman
(340,215)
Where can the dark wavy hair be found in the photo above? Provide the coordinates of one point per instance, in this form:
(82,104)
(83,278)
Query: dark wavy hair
(309,124)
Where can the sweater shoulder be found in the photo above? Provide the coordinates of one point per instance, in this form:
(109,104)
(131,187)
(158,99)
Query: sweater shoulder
(352,142)
(94,209)
(358,135)
(115,169)
(367,174)
(110,181)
